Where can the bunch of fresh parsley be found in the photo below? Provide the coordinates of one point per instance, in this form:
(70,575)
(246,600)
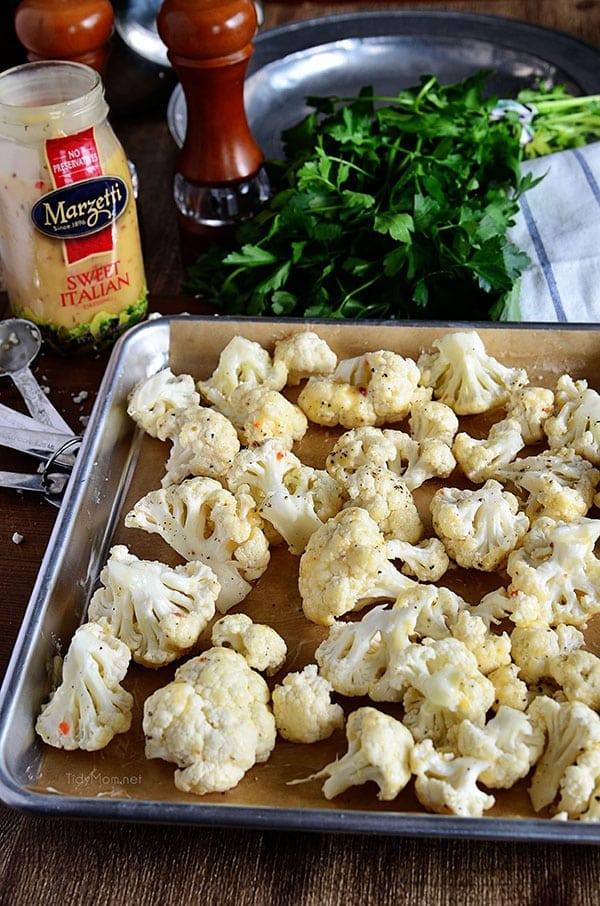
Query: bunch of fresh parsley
(391,208)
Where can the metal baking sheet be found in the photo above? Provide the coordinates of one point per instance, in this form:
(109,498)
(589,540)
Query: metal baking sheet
(115,465)
(390,50)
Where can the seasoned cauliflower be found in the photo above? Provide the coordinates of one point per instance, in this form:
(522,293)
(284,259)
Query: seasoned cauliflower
(560,485)
(555,574)
(442,686)
(360,657)
(536,648)
(158,611)
(294,498)
(213,721)
(370,389)
(243,365)
(427,560)
(509,744)
(482,458)
(415,461)
(344,567)
(89,707)
(259,414)
(357,657)
(577,673)
(530,406)
(492,650)
(446,783)
(303,709)
(304,354)
(479,528)
(204,443)
(510,688)
(379,751)
(465,377)
(367,446)
(202,520)
(387,499)
(157,403)
(432,420)
(575,423)
(260,645)
(571,729)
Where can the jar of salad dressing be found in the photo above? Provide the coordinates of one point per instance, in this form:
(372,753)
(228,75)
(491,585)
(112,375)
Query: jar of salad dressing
(69,237)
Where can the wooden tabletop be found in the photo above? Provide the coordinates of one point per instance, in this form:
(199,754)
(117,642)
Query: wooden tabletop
(46,860)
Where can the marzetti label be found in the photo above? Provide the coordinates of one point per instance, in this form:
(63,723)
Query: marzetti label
(80,209)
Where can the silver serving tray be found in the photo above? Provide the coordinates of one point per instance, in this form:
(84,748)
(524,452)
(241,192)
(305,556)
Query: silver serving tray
(87,521)
(390,50)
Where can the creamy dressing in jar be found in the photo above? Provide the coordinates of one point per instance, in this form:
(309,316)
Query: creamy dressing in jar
(69,237)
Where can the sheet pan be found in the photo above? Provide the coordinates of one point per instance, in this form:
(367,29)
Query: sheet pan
(115,466)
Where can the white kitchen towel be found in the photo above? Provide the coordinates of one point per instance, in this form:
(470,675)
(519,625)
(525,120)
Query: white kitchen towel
(558,225)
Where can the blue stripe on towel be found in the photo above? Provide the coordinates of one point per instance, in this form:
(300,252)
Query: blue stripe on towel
(587,170)
(546,266)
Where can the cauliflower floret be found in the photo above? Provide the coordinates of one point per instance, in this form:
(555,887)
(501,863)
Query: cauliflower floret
(432,420)
(370,389)
(492,651)
(530,406)
(294,498)
(259,414)
(387,499)
(576,421)
(157,403)
(204,444)
(357,657)
(243,365)
(414,460)
(481,458)
(509,744)
(345,567)
(260,645)
(577,672)
(158,611)
(304,354)
(379,751)
(535,648)
(465,377)
(427,560)
(366,446)
(213,721)
(510,688)
(303,708)
(560,485)
(202,520)
(571,730)
(556,572)
(479,528)
(446,783)
(89,707)
(580,785)
(443,686)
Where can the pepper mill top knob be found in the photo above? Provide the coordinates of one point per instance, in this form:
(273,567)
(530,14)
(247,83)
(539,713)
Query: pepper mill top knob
(209,44)
(76,30)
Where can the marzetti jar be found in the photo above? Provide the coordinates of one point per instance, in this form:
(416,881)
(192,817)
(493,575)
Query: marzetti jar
(69,237)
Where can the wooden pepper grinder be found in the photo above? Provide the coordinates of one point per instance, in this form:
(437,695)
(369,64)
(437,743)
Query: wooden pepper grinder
(77,30)
(220,179)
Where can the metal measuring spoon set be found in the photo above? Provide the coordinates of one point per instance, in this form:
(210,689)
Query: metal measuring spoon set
(43,434)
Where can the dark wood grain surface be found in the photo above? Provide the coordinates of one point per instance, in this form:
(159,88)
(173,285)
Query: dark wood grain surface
(47,860)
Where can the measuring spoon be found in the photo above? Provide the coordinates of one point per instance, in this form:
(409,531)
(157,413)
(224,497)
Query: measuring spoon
(20,342)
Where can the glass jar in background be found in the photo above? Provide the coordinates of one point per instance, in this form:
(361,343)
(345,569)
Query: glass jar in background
(69,237)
